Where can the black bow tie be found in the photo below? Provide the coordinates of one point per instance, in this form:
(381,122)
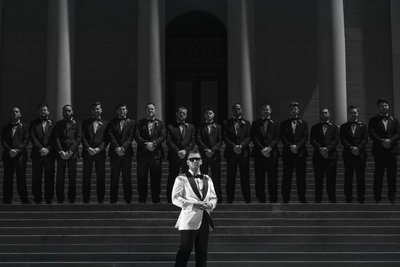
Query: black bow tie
(181,123)
(326,123)
(237,119)
(384,116)
(354,122)
(209,122)
(294,119)
(198,176)
(267,119)
(124,119)
(44,119)
(97,119)
(150,120)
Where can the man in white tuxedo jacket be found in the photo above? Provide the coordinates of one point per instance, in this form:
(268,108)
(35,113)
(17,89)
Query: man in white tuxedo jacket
(194,193)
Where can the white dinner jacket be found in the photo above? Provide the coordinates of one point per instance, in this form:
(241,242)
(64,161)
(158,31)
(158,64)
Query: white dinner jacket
(184,197)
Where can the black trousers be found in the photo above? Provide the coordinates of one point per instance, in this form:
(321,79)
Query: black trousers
(39,165)
(325,167)
(17,165)
(353,164)
(121,164)
(99,161)
(200,239)
(385,161)
(261,166)
(290,163)
(233,161)
(144,165)
(215,166)
(174,166)
(60,179)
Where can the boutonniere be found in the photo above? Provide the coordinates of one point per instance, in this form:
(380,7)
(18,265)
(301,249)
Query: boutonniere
(100,123)
(73,121)
(49,122)
(214,125)
(156,123)
(19,124)
(390,118)
(127,121)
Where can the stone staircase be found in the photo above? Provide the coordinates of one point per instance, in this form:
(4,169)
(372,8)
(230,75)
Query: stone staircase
(254,234)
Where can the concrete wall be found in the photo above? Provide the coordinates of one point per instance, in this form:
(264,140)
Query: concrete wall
(369,54)
(286,56)
(105,55)
(23,57)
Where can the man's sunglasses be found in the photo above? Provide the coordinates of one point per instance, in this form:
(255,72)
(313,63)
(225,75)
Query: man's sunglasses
(194,159)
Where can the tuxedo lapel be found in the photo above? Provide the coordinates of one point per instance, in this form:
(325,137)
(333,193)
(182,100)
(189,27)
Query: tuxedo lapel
(193,184)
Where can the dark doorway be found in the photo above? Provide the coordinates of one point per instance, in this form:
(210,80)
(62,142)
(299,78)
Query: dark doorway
(196,66)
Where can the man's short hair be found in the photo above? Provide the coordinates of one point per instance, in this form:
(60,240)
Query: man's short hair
(263,104)
(181,107)
(351,107)
(193,151)
(67,105)
(42,105)
(95,104)
(381,100)
(294,104)
(120,105)
(237,103)
(150,103)
(208,109)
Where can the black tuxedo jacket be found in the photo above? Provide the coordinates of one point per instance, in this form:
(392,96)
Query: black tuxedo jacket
(263,139)
(359,140)
(157,136)
(330,140)
(122,138)
(94,140)
(212,140)
(176,142)
(299,138)
(377,133)
(68,139)
(41,139)
(19,141)
(231,139)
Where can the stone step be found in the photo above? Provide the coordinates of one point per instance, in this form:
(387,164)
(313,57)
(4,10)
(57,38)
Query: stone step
(213,247)
(212,256)
(28,231)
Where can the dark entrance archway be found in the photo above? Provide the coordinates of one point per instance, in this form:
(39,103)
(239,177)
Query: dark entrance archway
(196,65)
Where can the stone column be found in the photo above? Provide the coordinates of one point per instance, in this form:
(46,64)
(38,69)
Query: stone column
(241,55)
(395,17)
(151,55)
(332,59)
(59,72)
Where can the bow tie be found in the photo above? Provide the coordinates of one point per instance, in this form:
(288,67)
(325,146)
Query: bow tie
(124,119)
(327,123)
(150,120)
(294,119)
(182,123)
(237,119)
(354,122)
(267,119)
(209,122)
(198,176)
(44,119)
(69,121)
(384,116)
(97,119)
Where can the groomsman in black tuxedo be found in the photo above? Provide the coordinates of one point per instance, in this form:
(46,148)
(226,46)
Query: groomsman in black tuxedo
(265,136)
(209,140)
(14,140)
(121,134)
(354,137)
(41,133)
(384,130)
(294,135)
(236,134)
(324,137)
(180,140)
(150,135)
(68,134)
(94,141)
